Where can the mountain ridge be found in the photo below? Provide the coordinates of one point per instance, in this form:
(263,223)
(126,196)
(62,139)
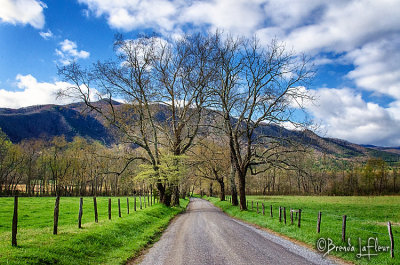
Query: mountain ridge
(47,121)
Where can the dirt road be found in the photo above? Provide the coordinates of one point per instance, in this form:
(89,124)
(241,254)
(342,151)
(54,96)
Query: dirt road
(205,235)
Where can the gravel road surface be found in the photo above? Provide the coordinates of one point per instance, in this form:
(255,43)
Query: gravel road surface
(205,235)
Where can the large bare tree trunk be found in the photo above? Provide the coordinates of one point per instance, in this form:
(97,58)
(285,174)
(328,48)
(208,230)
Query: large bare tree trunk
(176,196)
(222,187)
(161,191)
(211,189)
(167,197)
(242,191)
(233,186)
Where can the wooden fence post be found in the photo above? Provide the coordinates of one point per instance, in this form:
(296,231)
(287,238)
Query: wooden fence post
(109,208)
(284,214)
(80,212)
(299,221)
(140,201)
(15,223)
(319,222)
(257,207)
(263,209)
(271,212)
(151,197)
(119,207)
(148,198)
(344,228)
(56,211)
(291,216)
(391,239)
(96,216)
(134,202)
(127,204)
(280,214)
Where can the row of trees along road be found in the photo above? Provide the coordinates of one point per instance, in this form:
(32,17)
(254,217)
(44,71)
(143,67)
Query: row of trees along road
(239,83)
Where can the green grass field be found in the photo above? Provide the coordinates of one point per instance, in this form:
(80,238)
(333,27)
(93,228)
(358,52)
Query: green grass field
(106,242)
(366,217)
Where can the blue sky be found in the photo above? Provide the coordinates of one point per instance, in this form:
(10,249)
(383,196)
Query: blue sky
(355,45)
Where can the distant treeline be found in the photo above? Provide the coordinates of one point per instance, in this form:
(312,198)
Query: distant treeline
(82,167)
(318,174)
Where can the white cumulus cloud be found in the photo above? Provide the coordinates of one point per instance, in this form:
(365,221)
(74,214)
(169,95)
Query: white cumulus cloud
(240,16)
(344,114)
(69,52)
(340,26)
(288,14)
(132,14)
(46,35)
(31,92)
(23,12)
(377,67)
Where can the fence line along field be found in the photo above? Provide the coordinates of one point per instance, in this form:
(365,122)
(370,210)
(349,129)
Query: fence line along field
(366,217)
(106,242)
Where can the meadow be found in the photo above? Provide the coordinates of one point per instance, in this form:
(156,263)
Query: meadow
(367,217)
(107,242)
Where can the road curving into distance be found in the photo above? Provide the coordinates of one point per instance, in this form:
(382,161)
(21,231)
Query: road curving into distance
(205,235)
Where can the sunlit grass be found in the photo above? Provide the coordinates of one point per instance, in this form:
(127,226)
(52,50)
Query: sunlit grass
(106,242)
(366,217)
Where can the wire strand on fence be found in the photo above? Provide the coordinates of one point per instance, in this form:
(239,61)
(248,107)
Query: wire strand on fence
(338,218)
(360,229)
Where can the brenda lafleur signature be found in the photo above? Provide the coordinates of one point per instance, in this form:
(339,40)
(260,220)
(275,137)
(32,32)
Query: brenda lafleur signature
(366,249)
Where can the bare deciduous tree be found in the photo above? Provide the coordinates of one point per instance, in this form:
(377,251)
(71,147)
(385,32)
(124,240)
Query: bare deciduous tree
(150,74)
(257,86)
(210,160)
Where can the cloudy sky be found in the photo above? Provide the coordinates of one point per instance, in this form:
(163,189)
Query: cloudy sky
(354,43)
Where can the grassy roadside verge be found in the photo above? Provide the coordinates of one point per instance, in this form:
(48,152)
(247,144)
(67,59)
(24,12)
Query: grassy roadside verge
(367,217)
(108,242)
